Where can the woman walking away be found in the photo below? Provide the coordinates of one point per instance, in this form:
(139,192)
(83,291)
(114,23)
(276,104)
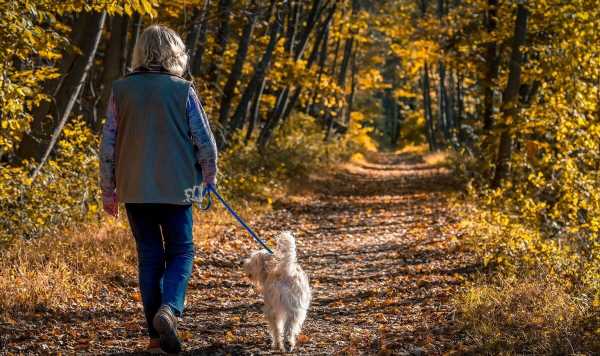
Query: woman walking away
(157,147)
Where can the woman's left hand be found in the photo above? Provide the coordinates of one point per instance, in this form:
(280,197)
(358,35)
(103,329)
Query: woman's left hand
(211,182)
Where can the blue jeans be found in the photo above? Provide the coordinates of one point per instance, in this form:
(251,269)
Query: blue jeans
(163,236)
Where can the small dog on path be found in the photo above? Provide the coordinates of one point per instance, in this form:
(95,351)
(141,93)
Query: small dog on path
(285,290)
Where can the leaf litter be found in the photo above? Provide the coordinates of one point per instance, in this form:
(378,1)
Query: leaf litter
(374,239)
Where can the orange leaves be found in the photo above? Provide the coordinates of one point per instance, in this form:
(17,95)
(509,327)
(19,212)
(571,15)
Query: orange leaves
(136,296)
(303,339)
(377,288)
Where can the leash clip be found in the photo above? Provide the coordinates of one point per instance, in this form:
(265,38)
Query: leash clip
(205,194)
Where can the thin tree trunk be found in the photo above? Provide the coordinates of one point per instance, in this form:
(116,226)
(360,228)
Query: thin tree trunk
(388,99)
(350,99)
(443,101)
(311,60)
(256,80)
(138,22)
(492,61)
(236,71)
(459,106)
(510,97)
(450,102)
(294,11)
(50,117)
(426,86)
(395,137)
(348,52)
(282,97)
(253,122)
(427,109)
(225,7)
(443,119)
(113,60)
(336,52)
(388,119)
(322,63)
(198,42)
(125,46)
(78,75)
(313,16)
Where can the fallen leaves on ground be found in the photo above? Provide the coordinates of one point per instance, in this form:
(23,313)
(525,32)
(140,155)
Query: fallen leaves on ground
(372,237)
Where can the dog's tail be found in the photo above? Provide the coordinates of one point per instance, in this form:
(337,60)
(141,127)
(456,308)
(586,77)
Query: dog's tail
(286,247)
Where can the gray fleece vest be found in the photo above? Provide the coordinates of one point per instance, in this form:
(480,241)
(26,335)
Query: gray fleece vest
(155,157)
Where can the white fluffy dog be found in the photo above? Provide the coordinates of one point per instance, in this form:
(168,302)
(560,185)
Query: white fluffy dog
(285,289)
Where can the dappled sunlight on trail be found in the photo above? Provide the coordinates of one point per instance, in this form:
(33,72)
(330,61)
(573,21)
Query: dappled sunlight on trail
(376,240)
(372,237)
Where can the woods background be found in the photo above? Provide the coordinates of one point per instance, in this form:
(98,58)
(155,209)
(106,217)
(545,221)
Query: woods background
(508,89)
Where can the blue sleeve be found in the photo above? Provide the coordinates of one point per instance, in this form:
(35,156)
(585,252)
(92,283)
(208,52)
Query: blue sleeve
(107,149)
(202,137)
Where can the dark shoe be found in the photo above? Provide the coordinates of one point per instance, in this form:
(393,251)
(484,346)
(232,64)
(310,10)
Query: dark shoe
(165,323)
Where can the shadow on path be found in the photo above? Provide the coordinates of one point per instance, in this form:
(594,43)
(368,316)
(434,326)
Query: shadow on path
(376,239)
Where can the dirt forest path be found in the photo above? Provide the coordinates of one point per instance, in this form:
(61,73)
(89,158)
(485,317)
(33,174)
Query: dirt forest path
(373,238)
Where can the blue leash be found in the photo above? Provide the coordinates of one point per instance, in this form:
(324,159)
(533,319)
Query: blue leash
(206,193)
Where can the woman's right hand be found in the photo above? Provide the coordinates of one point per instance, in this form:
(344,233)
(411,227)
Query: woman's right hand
(110,204)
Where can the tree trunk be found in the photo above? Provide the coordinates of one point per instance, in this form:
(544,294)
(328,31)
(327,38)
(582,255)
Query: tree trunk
(492,61)
(256,80)
(427,109)
(49,118)
(350,98)
(113,63)
(236,71)
(322,63)
(282,97)
(388,99)
(395,134)
(138,22)
(311,60)
(255,114)
(294,11)
(336,54)
(510,97)
(388,104)
(460,102)
(348,53)
(443,117)
(450,98)
(225,7)
(197,40)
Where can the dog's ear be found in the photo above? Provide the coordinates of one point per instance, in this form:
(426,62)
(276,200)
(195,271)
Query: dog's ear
(251,266)
(255,266)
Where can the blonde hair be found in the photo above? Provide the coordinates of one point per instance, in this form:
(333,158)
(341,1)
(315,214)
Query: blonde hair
(159,45)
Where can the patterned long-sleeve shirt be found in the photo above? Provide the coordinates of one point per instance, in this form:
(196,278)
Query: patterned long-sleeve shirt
(201,134)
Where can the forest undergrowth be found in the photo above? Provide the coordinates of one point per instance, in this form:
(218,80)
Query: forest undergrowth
(535,292)
(374,234)
(73,263)
(505,93)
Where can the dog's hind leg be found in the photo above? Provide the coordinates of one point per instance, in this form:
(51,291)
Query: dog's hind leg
(293,327)
(276,330)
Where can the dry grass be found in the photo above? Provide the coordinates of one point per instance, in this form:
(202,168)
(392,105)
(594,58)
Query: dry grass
(438,158)
(55,273)
(525,316)
(415,149)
